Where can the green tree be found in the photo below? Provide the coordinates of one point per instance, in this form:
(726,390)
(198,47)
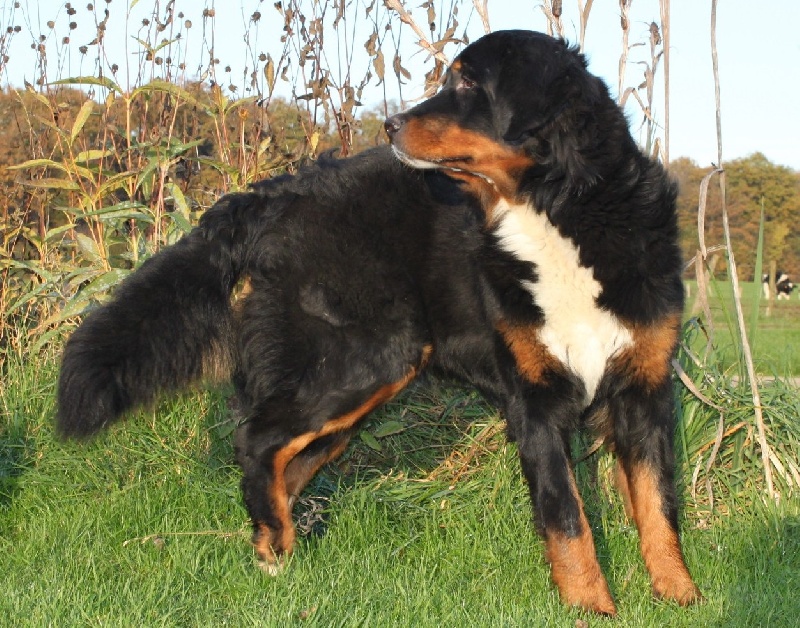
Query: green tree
(750,181)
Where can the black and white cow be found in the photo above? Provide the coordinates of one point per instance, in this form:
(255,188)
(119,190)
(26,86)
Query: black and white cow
(783,285)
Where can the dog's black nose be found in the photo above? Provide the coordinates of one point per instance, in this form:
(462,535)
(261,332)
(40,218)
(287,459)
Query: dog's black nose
(393,125)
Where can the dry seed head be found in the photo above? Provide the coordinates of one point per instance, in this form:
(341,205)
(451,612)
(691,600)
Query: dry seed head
(655,35)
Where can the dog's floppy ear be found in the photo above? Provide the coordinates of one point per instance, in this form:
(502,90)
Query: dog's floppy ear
(565,125)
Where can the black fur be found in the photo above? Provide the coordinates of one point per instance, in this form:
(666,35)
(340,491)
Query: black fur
(359,272)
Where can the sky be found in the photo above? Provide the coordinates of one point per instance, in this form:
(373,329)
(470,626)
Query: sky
(758,49)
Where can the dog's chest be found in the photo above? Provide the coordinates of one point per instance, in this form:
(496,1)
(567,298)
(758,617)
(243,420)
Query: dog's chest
(575,331)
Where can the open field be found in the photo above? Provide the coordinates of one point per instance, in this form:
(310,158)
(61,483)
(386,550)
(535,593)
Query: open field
(776,341)
(424,522)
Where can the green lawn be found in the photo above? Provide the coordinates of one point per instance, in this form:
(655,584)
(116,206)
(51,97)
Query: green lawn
(424,522)
(776,340)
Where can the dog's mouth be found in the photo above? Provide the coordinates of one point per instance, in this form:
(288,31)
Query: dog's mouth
(451,160)
(451,164)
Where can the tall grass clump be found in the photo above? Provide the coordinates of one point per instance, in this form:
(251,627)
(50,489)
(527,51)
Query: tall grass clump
(754,448)
(112,159)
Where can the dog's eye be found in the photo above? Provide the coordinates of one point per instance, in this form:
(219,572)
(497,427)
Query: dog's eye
(467,83)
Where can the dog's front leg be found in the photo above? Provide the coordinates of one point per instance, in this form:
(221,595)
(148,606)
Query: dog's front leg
(558,508)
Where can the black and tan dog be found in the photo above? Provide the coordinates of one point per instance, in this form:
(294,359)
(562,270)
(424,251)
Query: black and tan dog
(521,243)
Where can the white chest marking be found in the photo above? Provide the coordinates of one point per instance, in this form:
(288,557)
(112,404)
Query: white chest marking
(576,331)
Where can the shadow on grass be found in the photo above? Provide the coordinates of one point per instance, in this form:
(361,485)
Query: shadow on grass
(410,437)
(15,454)
(27,399)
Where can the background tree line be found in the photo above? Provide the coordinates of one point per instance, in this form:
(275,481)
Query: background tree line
(201,134)
(211,144)
(752,181)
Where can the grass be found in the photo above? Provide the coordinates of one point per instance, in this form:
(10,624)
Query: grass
(424,522)
(777,333)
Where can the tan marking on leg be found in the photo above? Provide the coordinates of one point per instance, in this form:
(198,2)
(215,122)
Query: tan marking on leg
(621,480)
(661,548)
(300,469)
(532,357)
(575,569)
(648,359)
(265,542)
(273,545)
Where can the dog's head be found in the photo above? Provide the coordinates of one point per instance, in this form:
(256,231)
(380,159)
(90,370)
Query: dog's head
(518,115)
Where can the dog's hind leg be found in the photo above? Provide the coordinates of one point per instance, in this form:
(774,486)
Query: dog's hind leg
(273,477)
(305,465)
(277,463)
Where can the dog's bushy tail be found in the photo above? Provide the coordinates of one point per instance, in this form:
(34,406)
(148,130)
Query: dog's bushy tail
(169,324)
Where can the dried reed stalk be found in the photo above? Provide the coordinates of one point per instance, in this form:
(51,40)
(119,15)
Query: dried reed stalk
(552,10)
(584,11)
(423,42)
(766,454)
(665,36)
(625,25)
(482,8)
